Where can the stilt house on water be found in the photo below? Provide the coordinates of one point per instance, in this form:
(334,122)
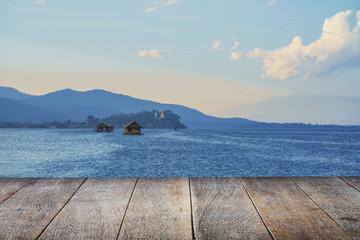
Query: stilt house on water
(103,127)
(132,128)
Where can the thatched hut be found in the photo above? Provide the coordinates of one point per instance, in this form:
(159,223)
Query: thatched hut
(132,128)
(104,127)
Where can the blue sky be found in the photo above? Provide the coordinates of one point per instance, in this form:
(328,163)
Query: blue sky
(210,55)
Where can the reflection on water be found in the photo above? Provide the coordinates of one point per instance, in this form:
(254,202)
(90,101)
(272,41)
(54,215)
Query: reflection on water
(168,153)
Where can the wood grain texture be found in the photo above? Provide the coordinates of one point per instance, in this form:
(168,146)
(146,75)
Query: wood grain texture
(339,200)
(353,181)
(159,209)
(94,212)
(29,211)
(222,210)
(288,212)
(9,186)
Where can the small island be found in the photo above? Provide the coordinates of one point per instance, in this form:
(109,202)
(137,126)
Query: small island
(148,119)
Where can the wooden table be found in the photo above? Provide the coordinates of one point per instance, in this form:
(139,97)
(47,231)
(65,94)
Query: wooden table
(180,208)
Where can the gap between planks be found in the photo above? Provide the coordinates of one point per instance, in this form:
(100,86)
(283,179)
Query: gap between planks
(28,212)
(288,212)
(160,208)
(192,212)
(336,198)
(62,208)
(312,199)
(95,211)
(257,210)
(348,181)
(5,196)
(127,207)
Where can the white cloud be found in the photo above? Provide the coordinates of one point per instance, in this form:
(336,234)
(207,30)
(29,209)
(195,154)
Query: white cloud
(41,1)
(142,53)
(272,2)
(236,44)
(338,47)
(149,10)
(235,55)
(155,54)
(152,53)
(216,45)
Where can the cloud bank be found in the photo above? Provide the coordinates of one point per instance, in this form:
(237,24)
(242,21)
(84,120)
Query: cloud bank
(337,48)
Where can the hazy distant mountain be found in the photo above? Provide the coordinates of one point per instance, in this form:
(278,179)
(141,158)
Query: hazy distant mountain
(73,105)
(305,108)
(15,111)
(76,106)
(11,93)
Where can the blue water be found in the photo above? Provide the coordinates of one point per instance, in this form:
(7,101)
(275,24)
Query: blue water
(168,153)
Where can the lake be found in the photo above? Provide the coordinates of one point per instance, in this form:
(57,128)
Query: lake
(169,153)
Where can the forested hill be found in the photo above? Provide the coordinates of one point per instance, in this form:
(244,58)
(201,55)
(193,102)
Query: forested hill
(147,119)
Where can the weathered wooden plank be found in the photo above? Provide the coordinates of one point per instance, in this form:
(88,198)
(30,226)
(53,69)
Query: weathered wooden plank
(339,200)
(288,212)
(29,211)
(159,209)
(222,210)
(353,181)
(94,212)
(9,186)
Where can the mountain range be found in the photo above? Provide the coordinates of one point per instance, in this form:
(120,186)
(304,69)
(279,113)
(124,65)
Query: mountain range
(74,105)
(304,108)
